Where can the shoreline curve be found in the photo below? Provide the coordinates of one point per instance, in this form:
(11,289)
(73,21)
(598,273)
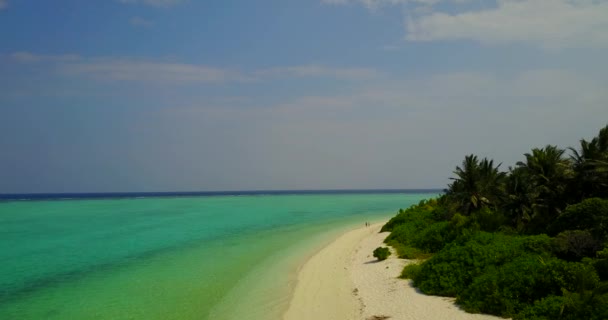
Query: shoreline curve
(344,281)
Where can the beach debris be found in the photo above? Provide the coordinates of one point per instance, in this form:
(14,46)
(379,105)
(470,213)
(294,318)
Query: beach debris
(378,317)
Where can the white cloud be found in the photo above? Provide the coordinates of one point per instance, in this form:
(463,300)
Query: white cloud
(154,3)
(374,4)
(407,132)
(400,133)
(335,1)
(548,23)
(322,71)
(370,4)
(140,22)
(154,71)
(28,57)
(548,90)
(150,71)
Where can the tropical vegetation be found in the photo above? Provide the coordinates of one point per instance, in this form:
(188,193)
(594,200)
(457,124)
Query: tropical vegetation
(381,253)
(530,242)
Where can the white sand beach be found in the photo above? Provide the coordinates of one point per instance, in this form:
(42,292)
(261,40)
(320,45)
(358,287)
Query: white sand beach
(344,281)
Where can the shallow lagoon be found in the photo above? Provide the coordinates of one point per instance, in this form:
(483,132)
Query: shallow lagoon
(208,257)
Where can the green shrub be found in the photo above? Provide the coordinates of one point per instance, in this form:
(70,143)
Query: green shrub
(382,253)
(408,252)
(575,276)
(400,218)
(454,268)
(585,305)
(405,228)
(404,233)
(548,308)
(419,231)
(571,306)
(590,214)
(601,264)
(574,245)
(417,234)
(419,215)
(601,267)
(507,290)
(489,220)
(434,237)
(540,244)
(411,270)
(459,221)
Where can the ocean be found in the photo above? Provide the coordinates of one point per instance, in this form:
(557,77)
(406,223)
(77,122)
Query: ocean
(224,255)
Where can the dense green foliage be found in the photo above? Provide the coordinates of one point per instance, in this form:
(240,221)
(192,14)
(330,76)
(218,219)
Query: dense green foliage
(590,214)
(529,243)
(382,253)
(453,270)
(411,271)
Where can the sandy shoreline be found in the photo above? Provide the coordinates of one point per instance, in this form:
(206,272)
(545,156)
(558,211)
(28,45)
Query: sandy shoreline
(344,281)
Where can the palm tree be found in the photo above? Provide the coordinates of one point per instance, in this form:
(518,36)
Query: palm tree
(590,166)
(520,198)
(601,163)
(548,174)
(477,184)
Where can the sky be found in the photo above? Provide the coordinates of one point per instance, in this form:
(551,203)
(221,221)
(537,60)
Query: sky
(202,95)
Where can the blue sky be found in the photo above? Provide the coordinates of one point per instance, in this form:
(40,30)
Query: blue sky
(166,95)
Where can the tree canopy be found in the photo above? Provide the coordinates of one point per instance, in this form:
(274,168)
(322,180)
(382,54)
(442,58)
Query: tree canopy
(530,242)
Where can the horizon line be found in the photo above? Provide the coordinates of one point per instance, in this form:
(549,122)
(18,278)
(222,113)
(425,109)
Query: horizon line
(40,195)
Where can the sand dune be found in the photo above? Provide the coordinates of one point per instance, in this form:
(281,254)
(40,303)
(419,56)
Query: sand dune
(343,281)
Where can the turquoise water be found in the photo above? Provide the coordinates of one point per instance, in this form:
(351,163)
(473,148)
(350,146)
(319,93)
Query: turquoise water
(219,257)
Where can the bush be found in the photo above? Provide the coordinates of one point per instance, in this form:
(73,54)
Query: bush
(434,237)
(411,270)
(590,214)
(548,308)
(540,244)
(415,234)
(453,269)
(574,276)
(601,264)
(419,215)
(571,306)
(601,267)
(404,233)
(507,290)
(408,252)
(382,253)
(489,220)
(406,226)
(573,245)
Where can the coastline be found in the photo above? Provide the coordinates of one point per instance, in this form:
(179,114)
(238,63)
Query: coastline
(269,286)
(344,281)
